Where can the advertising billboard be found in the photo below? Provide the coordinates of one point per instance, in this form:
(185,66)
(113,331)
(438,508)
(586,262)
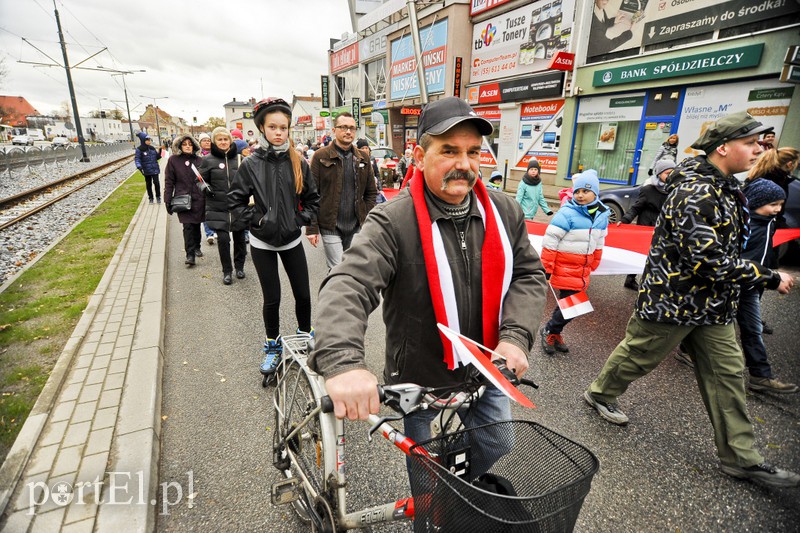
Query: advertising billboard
(521,41)
(403,71)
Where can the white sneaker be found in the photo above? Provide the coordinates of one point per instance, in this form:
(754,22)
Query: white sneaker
(210,239)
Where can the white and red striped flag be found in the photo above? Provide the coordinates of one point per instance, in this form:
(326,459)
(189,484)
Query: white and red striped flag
(470,352)
(575,305)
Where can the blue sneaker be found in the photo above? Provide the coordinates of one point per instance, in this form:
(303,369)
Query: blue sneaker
(310,342)
(273,349)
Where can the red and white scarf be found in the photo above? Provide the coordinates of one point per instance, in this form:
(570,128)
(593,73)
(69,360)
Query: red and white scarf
(496,260)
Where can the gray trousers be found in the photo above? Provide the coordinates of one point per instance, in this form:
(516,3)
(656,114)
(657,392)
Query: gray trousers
(718,368)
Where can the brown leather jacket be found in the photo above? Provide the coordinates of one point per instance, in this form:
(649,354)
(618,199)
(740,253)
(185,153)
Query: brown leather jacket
(328,172)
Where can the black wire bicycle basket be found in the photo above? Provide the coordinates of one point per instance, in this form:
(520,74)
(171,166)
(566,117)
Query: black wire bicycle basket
(523,477)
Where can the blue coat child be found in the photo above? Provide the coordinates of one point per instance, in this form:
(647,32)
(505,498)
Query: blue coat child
(146,160)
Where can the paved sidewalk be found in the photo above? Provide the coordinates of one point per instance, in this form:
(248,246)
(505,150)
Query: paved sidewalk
(87,457)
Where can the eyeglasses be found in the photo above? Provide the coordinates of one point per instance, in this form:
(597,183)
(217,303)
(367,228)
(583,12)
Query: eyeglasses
(346,128)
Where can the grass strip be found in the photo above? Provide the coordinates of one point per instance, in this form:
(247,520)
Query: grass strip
(40,310)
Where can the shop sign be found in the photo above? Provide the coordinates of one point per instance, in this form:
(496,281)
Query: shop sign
(356,111)
(324,113)
(344,59)
(611,108)
(711,15)
(457,78)
(410,110)
(479,6)
(325,91)
(562,61)
(403,71)
(540,133)
(521,41)
(541,86)
(767,101)
(304,119)
(719,60)
(490,113)
(664,21)
(372,46)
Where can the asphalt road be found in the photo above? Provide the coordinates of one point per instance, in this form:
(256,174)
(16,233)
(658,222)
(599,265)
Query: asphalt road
(660,473)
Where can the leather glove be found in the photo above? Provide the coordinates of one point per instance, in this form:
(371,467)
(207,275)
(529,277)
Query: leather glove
(169,207)
(549,213)
(650,172)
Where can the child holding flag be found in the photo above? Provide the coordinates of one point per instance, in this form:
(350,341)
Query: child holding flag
(571,250)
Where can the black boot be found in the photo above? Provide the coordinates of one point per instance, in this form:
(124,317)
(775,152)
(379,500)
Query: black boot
(226,278)
(189,260)
(630,282)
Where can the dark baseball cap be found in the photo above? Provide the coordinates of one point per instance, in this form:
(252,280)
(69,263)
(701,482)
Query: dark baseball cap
(728,128)
(441,115)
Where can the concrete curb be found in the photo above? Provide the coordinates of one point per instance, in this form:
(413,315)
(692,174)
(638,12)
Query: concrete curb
(21,451)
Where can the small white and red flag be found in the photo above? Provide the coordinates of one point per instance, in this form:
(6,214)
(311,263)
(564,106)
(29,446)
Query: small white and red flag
(575,305)
(470,352)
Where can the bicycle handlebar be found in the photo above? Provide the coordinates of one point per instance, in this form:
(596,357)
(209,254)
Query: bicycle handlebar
(406,398)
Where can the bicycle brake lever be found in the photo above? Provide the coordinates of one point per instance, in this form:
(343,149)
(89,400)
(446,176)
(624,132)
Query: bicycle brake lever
(378,424)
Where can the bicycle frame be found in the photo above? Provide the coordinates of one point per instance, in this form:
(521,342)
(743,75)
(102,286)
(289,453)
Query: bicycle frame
(333,443)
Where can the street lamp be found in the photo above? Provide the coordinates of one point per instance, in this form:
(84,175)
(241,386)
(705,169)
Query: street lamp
(125,88)
(155,108)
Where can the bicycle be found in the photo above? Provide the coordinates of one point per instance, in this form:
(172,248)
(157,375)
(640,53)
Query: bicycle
(537,482)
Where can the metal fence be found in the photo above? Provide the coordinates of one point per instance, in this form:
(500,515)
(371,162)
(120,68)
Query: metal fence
(30,157)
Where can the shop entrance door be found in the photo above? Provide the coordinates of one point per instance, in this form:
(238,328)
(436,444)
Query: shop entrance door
(655,134)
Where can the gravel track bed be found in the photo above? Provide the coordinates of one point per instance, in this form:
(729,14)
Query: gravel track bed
(22,243)
(23,179)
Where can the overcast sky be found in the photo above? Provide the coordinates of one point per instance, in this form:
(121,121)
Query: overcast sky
(199,53)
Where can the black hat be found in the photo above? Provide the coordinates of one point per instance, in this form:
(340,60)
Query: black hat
(441,115)
(728,128)
(270,105)
(762,192)
(362,143)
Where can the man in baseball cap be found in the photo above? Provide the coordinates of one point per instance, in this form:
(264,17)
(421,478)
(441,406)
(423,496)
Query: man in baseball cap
(734,126)
(444,250)
(439,116)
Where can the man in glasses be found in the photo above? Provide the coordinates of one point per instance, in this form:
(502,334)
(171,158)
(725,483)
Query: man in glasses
(346,184)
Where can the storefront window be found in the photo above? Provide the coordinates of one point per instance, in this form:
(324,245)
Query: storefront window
(607,147)
(375,80)
(346,87)
(606,135)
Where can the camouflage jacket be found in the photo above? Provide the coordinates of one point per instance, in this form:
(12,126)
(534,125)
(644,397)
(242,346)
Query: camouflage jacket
(694,269)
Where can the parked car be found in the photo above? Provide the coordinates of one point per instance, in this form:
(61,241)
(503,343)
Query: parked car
(60,142)
(22,140)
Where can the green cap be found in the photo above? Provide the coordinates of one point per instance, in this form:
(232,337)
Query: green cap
(728,128)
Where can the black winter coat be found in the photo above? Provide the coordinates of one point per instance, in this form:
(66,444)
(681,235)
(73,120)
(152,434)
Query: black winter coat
(647,206)
(179,179)
(279,212)
(218,170)
(146,157)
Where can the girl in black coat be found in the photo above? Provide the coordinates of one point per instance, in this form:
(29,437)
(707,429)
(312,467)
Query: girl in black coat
(180,179)
(285,199)
(218,169)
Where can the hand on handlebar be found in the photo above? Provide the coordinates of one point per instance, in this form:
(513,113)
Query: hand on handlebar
(354,394)
(516,359)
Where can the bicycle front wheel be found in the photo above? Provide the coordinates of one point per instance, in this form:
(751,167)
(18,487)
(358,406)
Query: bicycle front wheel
(299,452)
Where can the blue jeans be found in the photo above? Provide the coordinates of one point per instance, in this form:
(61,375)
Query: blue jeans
(335,246)
(751,329)
(494,406)
(209,231)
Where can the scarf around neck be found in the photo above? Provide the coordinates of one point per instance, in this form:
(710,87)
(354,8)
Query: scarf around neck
(496,260)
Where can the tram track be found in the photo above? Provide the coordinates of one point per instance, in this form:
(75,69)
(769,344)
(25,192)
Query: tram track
(18,207)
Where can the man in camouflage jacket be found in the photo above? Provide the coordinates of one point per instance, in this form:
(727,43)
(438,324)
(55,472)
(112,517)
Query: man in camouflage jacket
(690,291)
